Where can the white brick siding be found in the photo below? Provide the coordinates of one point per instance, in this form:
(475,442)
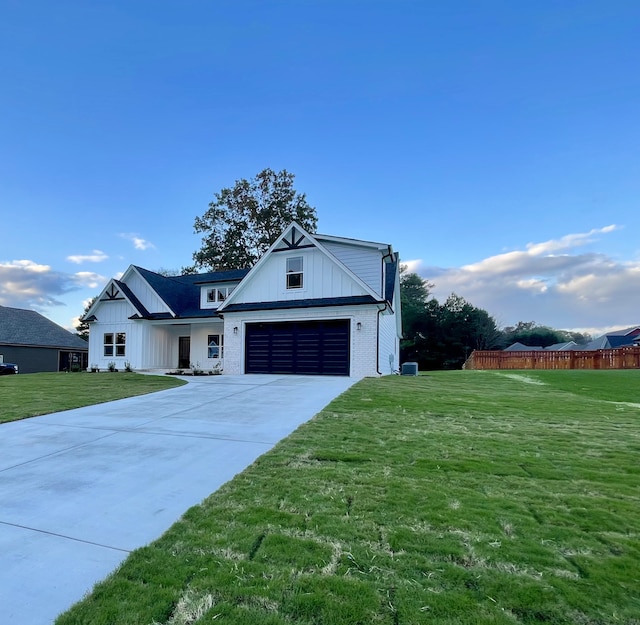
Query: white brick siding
(363,350)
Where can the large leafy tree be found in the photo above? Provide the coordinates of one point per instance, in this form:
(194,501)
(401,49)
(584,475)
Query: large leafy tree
(441,336)
(531,334)
(243,221)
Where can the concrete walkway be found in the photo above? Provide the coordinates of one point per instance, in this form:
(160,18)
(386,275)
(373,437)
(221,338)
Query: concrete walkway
(80,489)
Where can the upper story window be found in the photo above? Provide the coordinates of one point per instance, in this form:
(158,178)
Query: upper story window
(115,343)
(217,295)
(294,272)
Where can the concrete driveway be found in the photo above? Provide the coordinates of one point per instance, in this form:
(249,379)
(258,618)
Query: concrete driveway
(80,489)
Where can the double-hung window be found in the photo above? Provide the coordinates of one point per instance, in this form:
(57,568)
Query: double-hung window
(294,272)
(214,346)
(115,344)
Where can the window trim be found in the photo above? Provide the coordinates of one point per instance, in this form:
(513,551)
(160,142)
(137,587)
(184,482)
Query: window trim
(114,344)
(291,273)
(215,295)
(220,346)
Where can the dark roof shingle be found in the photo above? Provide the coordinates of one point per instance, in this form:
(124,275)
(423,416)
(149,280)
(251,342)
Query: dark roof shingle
(179,294)
(27,327)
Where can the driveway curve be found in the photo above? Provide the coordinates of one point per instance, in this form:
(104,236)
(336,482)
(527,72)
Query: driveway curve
(80,489)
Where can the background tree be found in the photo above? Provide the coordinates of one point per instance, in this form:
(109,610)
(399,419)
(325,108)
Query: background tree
(414,293)
(242,222)
(533,335)
(82,329)
(441,336)
(414,296)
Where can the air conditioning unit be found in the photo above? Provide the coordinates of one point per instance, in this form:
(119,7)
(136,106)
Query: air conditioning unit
(410,368)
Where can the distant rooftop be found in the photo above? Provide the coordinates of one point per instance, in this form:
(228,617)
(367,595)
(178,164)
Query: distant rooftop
(29,328)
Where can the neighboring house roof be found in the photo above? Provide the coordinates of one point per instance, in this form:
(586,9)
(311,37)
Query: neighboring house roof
(520,347)
(632,331)
(557,347)
(22,327)
(562,347)
(612,340)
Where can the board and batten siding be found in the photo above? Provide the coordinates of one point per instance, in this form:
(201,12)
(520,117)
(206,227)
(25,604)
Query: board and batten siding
(322,277)
(145,293)
(146,346)
(112,316)
(366,263)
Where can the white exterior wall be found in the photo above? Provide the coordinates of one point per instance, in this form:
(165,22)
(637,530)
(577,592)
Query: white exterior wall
(389,350)
(366,263)
(113,317)
(199,345)
(145,293)
(162,346)
(321,278)
(153,346)
(363,349)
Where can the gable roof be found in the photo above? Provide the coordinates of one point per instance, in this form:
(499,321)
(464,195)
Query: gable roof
(298,238)
(521,347)
(182,293)
(632,331)
(29,328)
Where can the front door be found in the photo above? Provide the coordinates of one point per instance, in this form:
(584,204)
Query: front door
(184,352)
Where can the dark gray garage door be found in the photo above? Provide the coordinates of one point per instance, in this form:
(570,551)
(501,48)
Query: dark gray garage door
(302,347)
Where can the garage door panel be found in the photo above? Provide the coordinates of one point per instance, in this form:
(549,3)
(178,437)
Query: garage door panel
(304,347)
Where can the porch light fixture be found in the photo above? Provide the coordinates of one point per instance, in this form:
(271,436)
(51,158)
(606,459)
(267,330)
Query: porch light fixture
(358,326)
(235,330)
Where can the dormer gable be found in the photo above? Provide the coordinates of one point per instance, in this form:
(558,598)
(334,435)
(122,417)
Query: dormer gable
(213,295)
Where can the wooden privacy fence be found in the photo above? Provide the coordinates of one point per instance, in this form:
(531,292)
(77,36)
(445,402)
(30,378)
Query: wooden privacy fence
(620,358)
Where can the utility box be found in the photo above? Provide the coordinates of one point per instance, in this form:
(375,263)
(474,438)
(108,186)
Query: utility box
(410,368)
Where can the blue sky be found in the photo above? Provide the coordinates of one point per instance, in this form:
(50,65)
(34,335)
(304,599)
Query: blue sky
(493,143)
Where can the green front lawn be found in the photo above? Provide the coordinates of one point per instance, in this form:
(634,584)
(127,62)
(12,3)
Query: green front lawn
(455,498)
(29,395)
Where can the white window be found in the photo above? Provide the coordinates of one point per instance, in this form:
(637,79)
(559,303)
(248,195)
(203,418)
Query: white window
(214,346)
(219,294)
(294,272)
(115,344)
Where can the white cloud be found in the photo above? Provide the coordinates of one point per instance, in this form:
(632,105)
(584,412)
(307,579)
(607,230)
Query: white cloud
(95,257)
(568,241)
(138,242)
(568,291)
(89,279)
(27,284)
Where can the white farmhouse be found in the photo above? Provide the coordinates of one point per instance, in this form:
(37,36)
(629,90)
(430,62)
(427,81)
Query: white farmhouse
(312,305)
